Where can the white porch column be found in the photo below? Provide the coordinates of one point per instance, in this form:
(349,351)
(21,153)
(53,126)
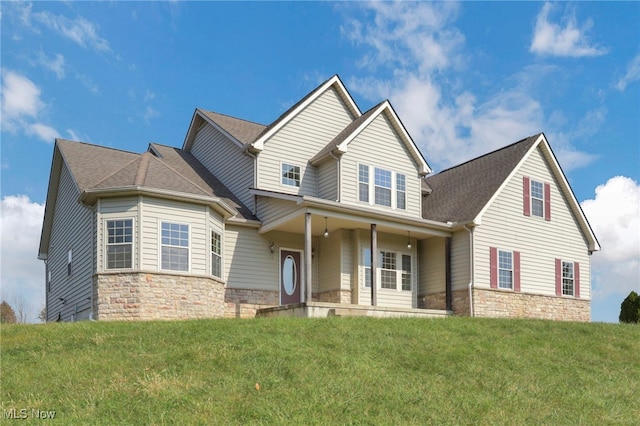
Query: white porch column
(374,265)
(308,294)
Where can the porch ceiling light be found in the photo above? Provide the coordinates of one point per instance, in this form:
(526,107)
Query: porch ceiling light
(408,239)
(272,247)
(326,230)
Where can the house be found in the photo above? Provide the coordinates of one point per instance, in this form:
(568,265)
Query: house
(327,208)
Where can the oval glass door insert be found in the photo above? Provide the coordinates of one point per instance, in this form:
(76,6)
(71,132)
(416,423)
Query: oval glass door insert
(289,275)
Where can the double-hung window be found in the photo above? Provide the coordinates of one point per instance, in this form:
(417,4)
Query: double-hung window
(382,188)
(216,254)
(366,262)
(363,183)
(119,243)
(290,175)
(406,272)
(505,269)
(537,198)
(401,191)
(388,270)
(175,246)
(567,279)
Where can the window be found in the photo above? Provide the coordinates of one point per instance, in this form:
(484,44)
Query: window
(567,279)
(406,272)
(388,270)
(537,198)
(382,187)
(505,269)
(48,279)
(175,246)
(401,194)
(216,255)
(119,244)
(69,260)
(363,183)
(290,175)
(366,261)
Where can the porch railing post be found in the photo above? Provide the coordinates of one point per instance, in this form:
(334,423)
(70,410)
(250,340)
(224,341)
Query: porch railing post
(308,296)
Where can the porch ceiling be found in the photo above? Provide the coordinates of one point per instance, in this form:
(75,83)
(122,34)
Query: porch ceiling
(294,222)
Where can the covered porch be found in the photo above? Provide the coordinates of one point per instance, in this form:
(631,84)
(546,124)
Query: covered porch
(327,264)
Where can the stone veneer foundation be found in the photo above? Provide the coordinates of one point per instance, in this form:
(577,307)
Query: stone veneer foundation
(507,304)
(242,303)
(146,296)
(333,296)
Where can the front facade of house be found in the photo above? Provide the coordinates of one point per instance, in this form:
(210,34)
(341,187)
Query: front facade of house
(247,216)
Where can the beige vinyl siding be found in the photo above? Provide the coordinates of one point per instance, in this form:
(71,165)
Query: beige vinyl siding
(271,208)
(112,209)
(460,260)
(299,140)
(72,228)
(330,260)
(432,266)
(154,211)
(248,261)
(328,180)
(226,161)
(379,146)
(539,242)
(387,297)
(346,269)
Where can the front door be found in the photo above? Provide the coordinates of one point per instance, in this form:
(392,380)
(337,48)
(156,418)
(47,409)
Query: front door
(290,277)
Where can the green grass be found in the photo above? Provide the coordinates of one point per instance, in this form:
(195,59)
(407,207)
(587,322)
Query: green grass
(325,371)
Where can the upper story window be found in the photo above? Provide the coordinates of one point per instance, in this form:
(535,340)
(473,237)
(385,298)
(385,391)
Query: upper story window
(119,243)
(290,175)
(175,246)
(536,198)
(385,182)
(216,254)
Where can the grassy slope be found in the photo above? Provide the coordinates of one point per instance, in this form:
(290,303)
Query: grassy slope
(330,371)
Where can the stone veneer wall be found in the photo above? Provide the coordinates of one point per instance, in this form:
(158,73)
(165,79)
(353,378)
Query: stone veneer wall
(460,301)
(242,303)
(500,303)
(333,296)
(151,296)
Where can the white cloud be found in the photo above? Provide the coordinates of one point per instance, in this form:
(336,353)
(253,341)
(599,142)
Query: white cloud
(632,74)
(78,30)
(55,64)
(555,40)
(22,274)
(21,107)
(614,215)
(150,113)
(423,53)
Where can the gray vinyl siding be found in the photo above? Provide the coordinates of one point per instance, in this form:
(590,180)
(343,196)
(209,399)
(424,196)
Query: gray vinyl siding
(154,211)
(299,140)
(380,146)
(271,208)
(387,297)
(328,180)
(539,242)
(72,228)
(226,161)
(111,209)
(249,262)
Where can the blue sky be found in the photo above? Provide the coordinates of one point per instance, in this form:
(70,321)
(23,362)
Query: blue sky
(465,78)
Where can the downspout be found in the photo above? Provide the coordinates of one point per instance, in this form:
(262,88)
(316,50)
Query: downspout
(470,231)
(255,177)
(338,174)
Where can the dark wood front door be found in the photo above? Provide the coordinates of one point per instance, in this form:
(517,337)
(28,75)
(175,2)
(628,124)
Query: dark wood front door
(290,277)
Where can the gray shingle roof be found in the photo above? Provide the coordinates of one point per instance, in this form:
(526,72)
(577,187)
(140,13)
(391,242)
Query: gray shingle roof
(244,131)
(459,193)
(97,167)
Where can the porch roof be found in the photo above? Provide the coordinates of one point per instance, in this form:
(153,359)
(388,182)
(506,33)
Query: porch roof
(343,216)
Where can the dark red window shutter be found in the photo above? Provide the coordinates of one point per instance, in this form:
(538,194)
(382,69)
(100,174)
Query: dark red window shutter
(493,268)
(516,271)
(558,277)
(526,196)
(547,202)
(576,279)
